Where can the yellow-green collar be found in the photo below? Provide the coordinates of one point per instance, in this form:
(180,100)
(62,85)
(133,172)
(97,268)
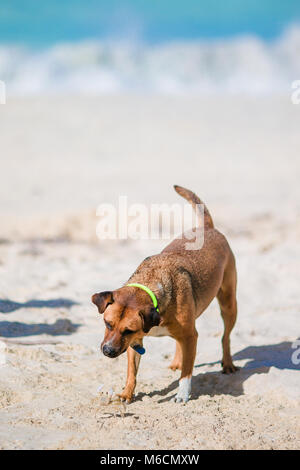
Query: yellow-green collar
(149,292)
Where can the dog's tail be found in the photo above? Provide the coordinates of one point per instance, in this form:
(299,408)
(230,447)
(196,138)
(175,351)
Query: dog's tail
(193,199)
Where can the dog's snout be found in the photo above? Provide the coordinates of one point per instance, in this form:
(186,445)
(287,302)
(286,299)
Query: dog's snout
(109,351)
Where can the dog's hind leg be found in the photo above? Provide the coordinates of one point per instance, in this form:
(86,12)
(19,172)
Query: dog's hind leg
(188,345)
(228,306)
(177,361)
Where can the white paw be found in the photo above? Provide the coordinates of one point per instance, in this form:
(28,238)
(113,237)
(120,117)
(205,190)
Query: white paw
(184,391)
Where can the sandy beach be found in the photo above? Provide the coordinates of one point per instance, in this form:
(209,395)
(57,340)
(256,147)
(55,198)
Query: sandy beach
(63,156)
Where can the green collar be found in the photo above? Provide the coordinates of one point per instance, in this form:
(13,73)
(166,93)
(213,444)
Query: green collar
(149,291)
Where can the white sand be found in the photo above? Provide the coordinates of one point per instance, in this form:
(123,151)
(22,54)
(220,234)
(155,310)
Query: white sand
(60,158)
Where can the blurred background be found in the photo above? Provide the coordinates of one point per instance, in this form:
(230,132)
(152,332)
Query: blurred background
(113,46)
(106,97)
(129,97)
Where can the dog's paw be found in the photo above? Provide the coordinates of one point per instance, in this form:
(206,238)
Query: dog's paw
(229,368)
(175,366)
(184,391)
(126,396)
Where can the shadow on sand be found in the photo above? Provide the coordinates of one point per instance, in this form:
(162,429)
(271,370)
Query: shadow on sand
(260,360)
(8,306)
(62,326)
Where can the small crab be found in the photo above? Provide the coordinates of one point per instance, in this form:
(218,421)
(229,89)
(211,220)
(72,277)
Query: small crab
(112,400)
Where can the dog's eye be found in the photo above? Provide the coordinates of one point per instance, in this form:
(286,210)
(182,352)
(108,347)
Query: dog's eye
(108,325)
(127,332)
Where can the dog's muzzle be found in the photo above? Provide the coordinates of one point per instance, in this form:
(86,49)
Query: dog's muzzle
(109,351)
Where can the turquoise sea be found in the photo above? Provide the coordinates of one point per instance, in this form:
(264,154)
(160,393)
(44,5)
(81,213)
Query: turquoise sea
(164,46)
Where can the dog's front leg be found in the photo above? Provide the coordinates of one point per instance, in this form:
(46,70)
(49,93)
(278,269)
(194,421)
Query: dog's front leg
(188,346)
(133,362)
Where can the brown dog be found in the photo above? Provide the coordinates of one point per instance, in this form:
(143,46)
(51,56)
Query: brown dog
(184,283)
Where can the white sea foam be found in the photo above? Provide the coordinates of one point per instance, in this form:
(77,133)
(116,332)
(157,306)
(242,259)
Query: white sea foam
(239,65)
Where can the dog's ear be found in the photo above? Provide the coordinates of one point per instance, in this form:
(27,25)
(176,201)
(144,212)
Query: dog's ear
(151,319)
(102,300)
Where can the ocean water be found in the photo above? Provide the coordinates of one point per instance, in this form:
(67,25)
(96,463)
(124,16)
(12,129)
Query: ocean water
(149,46)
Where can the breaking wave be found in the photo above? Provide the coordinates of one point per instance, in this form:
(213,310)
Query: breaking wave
(245,64)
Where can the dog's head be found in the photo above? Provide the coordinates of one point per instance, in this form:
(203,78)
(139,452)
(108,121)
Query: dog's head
(129,314)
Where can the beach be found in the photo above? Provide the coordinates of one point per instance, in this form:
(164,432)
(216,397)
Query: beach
(62,156)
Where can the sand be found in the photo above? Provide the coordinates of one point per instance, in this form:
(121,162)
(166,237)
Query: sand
(60,158)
